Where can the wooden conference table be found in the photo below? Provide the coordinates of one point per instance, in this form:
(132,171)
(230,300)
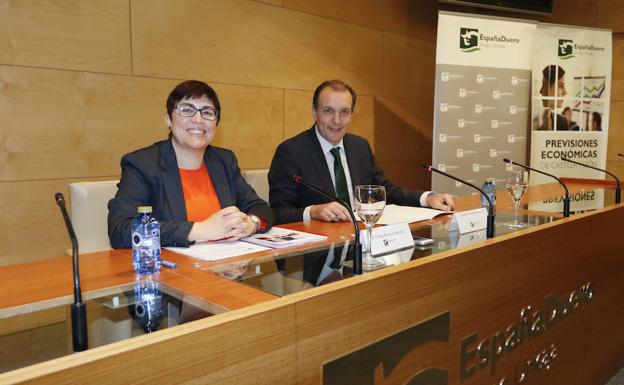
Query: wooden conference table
(537,306)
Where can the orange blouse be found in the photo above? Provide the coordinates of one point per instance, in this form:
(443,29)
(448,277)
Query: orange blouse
(200,196)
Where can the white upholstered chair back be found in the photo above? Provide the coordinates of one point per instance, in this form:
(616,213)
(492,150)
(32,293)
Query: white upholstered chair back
(259,181)
(89,213)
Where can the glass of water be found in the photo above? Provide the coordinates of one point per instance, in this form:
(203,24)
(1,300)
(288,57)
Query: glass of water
(370,201)
(517,186)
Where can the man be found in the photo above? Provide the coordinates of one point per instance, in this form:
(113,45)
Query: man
(596,124)
(335,161)
(553,90)
(572,126)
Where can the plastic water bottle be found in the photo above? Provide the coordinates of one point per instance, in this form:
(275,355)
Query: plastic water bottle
(146,242)
(489,187)
(148,306)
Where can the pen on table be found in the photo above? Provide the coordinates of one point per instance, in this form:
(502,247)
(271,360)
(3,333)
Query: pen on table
(169,264)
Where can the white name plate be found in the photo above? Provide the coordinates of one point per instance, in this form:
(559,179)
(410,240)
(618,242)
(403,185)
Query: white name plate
(389,238)
(468,221)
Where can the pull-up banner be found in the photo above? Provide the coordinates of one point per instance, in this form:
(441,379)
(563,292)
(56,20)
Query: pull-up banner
(500,82)
(483,77)
(570,114)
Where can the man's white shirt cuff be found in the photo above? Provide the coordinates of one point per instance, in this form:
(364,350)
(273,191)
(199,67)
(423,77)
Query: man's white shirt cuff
(306,213)
(423,198)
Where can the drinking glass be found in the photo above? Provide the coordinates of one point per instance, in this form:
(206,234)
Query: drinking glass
(517,186)
(370,201)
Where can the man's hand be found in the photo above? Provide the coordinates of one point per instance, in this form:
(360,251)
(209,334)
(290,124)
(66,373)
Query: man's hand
(441,202)
(330,212)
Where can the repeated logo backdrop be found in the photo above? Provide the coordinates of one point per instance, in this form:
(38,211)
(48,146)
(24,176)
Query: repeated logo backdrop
(483,79)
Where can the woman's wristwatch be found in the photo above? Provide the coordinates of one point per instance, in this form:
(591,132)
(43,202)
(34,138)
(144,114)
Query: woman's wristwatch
(259,224)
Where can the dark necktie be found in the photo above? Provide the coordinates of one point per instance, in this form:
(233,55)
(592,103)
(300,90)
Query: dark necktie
(341,181)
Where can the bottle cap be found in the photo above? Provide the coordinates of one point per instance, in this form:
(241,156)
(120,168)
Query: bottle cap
(491,180)
(144,209)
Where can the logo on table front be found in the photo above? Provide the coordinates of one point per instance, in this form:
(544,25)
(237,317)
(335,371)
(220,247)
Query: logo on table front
(469,39)
(375,364)
(566,49)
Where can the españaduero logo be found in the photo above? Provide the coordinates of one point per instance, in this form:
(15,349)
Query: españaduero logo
(566,49)
(469,39)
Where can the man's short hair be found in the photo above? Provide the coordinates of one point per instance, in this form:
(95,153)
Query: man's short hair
(193,89)
(566,110)
(549,73)
(336,85)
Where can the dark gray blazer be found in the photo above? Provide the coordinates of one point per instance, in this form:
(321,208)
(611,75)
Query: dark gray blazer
(150,177)
(302,155)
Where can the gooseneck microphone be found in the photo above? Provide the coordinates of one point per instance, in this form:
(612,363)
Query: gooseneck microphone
(566,198)
(357,257)
(78,308)
(489,232)
(618,189)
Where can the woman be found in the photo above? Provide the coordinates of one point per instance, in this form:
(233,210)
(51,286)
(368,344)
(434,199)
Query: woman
(196,190)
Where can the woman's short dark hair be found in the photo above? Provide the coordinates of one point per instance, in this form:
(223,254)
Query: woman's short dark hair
(193,89)
(336,85)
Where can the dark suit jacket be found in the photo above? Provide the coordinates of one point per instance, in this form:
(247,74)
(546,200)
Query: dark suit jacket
(562,123)
(150,177)
(302,155)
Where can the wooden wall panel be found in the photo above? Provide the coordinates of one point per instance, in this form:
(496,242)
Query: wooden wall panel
(403,129)
(72,124)
(253,44)
(610,15)
(273,2)
(617,68)
(68,34)
(297,112)
(298,115)
(67,124)
(252,123)
(423,19)
(390,15)
(616,130)
(616,166)
(573,12)
(409,67)
(403,137)
(408,174)
(412,18)
(30,221)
